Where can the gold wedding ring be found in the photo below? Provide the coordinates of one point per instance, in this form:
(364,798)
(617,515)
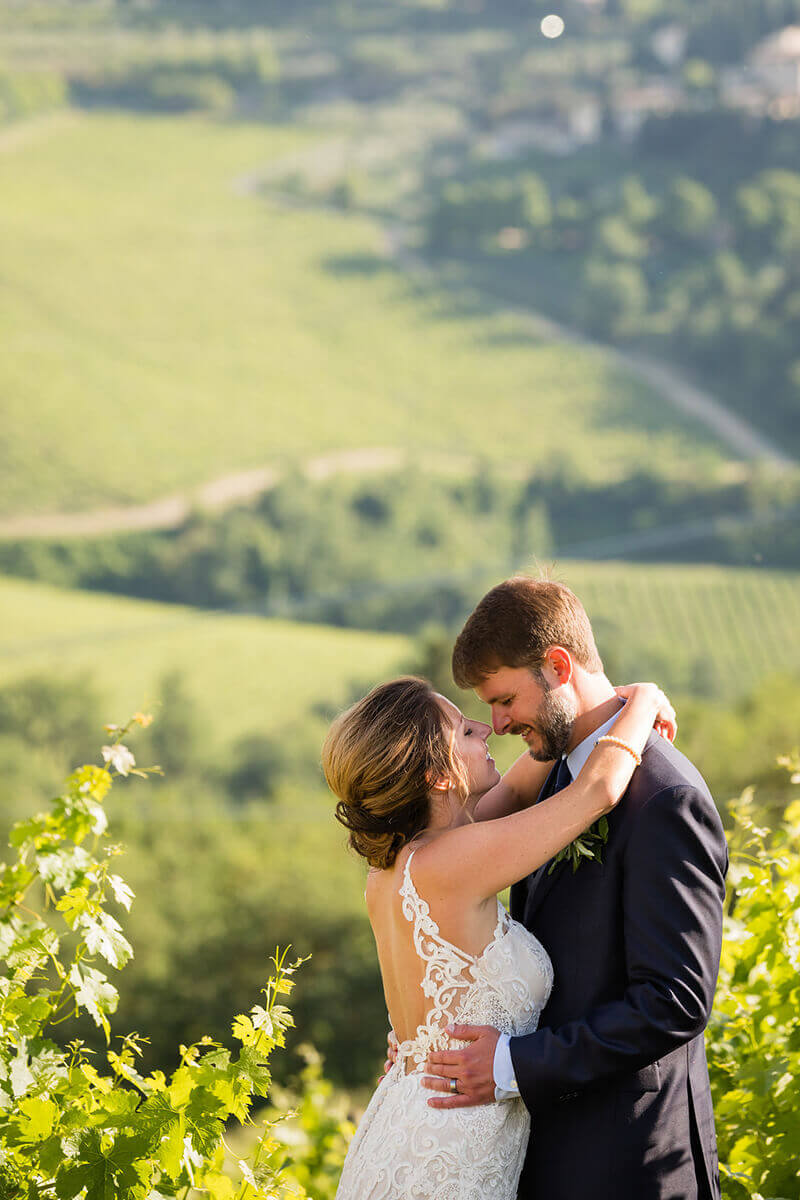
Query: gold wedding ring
(454,1087)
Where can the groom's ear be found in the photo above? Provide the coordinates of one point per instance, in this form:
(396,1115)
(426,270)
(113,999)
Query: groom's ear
(559,665)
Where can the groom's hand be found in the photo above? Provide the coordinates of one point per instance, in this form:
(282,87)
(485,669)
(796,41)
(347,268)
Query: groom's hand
(391,1051)
(472,1066)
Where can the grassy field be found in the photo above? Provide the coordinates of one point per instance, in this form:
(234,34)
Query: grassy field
(701,629)
(164,325)
(704,630)
(246,673)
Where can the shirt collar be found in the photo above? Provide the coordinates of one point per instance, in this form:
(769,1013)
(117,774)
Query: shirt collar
(576,759)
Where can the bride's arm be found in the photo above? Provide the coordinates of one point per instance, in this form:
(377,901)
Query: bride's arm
(523,781)
(481,859)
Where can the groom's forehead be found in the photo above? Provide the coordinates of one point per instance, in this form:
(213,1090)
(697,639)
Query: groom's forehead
(502,682)
(496,686)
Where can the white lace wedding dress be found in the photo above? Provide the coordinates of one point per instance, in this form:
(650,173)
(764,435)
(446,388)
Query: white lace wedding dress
(405,1150)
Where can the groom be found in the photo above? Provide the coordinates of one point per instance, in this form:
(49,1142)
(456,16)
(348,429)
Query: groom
(615,1077)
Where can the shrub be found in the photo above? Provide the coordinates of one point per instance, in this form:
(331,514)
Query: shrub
(67,1126)
(754,1036)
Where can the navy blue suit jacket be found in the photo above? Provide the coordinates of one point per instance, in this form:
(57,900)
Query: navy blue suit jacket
(615,1077)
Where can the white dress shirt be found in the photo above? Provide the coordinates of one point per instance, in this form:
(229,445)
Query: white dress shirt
(503,1069)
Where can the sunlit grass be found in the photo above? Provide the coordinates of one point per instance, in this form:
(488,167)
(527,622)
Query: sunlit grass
(163,325)
(246,674)
(700,630)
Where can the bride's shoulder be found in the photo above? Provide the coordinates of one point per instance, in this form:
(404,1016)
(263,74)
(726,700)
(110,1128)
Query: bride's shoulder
(380,882)
(373,883)
(429,864)
(431,861)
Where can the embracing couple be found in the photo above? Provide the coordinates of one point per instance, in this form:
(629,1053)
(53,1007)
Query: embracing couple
(555,1053)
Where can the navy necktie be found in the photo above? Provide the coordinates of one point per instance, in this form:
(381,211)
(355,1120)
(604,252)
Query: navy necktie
(558,778)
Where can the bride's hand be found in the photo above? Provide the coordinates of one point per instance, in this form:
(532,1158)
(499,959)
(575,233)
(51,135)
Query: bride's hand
(666,722)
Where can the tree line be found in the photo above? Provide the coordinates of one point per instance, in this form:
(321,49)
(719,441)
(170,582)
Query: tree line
(702,265)
(322,549)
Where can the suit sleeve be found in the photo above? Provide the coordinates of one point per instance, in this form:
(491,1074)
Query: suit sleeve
(673,895)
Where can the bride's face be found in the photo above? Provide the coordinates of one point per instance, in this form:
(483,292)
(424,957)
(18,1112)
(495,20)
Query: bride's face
(470,748)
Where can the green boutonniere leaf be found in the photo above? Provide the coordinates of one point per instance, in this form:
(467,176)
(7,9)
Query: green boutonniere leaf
(588,846)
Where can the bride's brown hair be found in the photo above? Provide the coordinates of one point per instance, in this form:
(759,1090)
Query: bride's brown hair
(381,758)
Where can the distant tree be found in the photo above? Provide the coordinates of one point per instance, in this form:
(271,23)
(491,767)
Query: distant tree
(768,212)
(60,714)
(615,237)
(178,738)
(372,505)
(535,207)
(731,275)
(571,222)
(613,297)
(532,539)
(754,212)
(181,92)
(700,77)
(431,658)
(689,211)
(639,207)
(258,764)
(783,187)
(346,191)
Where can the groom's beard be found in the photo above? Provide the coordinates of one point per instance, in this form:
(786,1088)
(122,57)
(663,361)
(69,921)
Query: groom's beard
(553,726)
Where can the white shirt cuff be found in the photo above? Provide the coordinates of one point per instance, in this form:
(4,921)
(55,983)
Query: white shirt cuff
(503,1069)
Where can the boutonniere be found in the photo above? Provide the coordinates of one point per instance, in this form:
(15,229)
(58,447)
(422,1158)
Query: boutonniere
(588,845)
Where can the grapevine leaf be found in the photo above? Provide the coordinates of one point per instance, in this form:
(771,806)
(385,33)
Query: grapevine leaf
(122,893)
(20,1074)
(37,1118)
(63,868)
(243,1030)
(103,936)
(74,904)
(170,1150)
(94,993)
(262,1020)
(251,1066)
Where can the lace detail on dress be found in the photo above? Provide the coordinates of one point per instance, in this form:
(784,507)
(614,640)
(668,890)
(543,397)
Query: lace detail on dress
(448,973)
(405,1150)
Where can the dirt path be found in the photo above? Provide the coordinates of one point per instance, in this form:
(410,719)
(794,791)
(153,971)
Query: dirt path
(224,492)
(21,132)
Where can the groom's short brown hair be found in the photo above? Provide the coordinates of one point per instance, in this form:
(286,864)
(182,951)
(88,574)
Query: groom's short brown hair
(515,623)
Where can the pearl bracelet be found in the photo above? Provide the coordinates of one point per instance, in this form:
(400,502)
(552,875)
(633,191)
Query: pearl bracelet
(615,741)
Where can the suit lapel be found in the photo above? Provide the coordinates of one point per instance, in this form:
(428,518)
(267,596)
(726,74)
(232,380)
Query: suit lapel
(540,885)
(535,884)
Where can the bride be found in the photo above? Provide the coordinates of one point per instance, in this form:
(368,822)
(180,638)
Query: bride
(443,833)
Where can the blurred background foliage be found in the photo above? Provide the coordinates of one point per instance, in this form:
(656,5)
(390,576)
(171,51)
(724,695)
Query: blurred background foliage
(320,318)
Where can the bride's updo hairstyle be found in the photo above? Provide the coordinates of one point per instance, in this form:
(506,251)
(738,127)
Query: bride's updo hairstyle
(381,759)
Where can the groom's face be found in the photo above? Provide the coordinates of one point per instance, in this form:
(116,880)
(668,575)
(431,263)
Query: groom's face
(527,703)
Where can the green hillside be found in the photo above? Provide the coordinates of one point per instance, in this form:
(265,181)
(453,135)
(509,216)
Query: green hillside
(714,631)
(246,673)
(164,324)
(701,630)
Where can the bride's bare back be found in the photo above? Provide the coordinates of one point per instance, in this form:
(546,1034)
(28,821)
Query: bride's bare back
(469,924)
